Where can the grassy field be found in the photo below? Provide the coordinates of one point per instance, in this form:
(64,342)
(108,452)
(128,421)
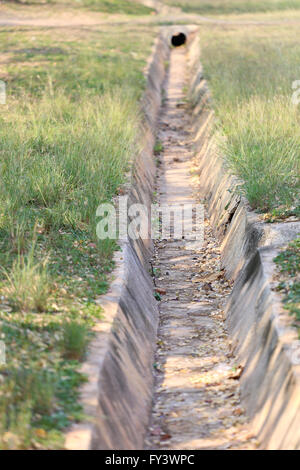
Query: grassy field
(127,7)
(250,72)
(68,133)
(221,7)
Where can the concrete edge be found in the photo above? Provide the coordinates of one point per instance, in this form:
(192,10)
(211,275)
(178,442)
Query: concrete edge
(117,396)
(263,340)
(262,336)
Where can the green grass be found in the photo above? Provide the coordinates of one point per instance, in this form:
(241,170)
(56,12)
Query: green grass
(219,7)
(127,7)
(158,147)
(250,73)
(288,262)
(74,340)
(68,134)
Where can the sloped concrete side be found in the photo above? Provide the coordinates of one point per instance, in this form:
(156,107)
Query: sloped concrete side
(262,338)
(118,394)
(270,382)
(125,379)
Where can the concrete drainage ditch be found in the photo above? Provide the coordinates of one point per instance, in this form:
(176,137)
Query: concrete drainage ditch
(118,395)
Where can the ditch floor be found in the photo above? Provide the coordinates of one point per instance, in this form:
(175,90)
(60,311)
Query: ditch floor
(196,401)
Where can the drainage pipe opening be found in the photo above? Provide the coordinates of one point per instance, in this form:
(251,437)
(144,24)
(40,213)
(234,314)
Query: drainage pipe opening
(178,39)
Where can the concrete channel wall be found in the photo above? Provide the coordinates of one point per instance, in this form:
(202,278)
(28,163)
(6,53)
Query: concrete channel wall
(264,341)
(117,397)
(118,394)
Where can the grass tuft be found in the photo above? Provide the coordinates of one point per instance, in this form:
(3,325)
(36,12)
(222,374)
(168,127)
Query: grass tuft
(68,136)
(28,284)
(74,341)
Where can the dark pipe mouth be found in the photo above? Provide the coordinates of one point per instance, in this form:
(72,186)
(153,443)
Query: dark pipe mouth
(178,39)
